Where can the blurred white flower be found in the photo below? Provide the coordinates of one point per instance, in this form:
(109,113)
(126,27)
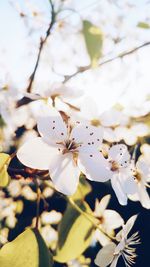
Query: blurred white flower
(130,134)
(14,188)
(51,217)
(81,261)
(50,235)
(28,193)
(108,219)
(8,210)
(4,236)
(55,91)
(110,253)
(145,150)
(65,152)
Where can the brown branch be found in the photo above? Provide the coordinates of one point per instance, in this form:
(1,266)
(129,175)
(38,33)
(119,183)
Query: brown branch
(42,42)
(27,173)
(122,55)
(26,100)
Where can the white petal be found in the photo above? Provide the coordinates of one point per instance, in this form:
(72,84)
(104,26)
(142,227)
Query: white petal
(89,109)
(64,174)
(117,187)
(105,255)
(112,219)
(36,154)
(109,135)
(114,262)
(144,196)
(94,166)
(111,117)
(101,238)
(52,128)
(123,185)
(102,205)
(120,154)
(141,195)
(66,91)
(128,184)
(143,168)
(129,224)
(89,136)
(32,96)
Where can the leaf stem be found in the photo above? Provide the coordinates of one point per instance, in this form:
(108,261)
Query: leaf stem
(89,217)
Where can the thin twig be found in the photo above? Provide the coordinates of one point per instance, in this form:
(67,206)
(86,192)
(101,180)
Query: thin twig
(122,55)
(17,173)
(88,216)
(42,42)
(37,204)
(25,100)
(90,219)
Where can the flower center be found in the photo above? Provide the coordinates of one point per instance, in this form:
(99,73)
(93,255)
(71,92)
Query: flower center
(70,146)
(95,122)
(114,166)
(138,176)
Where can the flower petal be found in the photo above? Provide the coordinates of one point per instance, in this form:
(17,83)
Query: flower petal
(143,168)
(101,206)
(88,136)
(105,255)
(52,128)
(94,166)
(128,184)
(113,219)
(123,184)
(120,154)
(111,117)
(36,154)
(114,262)
(117,187)
(64,173)
(129,224)
(143,196)
(101,238)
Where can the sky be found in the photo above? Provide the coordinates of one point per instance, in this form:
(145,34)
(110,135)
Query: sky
(126,81)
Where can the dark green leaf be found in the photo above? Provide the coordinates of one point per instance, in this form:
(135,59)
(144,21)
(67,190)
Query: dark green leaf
(75,233)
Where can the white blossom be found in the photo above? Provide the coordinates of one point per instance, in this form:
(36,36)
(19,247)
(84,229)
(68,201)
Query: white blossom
(65,152)
(108,220)
(121,176)
(110,253)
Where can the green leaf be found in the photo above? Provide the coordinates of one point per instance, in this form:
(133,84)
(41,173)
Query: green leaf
(4,177)
(75,233)
(94,41)
(143,25)
(2,122)
(84,188)
(28,249)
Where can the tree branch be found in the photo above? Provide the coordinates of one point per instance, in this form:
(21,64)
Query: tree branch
(122,55)
(27,173)
(26,100)
(42,42)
